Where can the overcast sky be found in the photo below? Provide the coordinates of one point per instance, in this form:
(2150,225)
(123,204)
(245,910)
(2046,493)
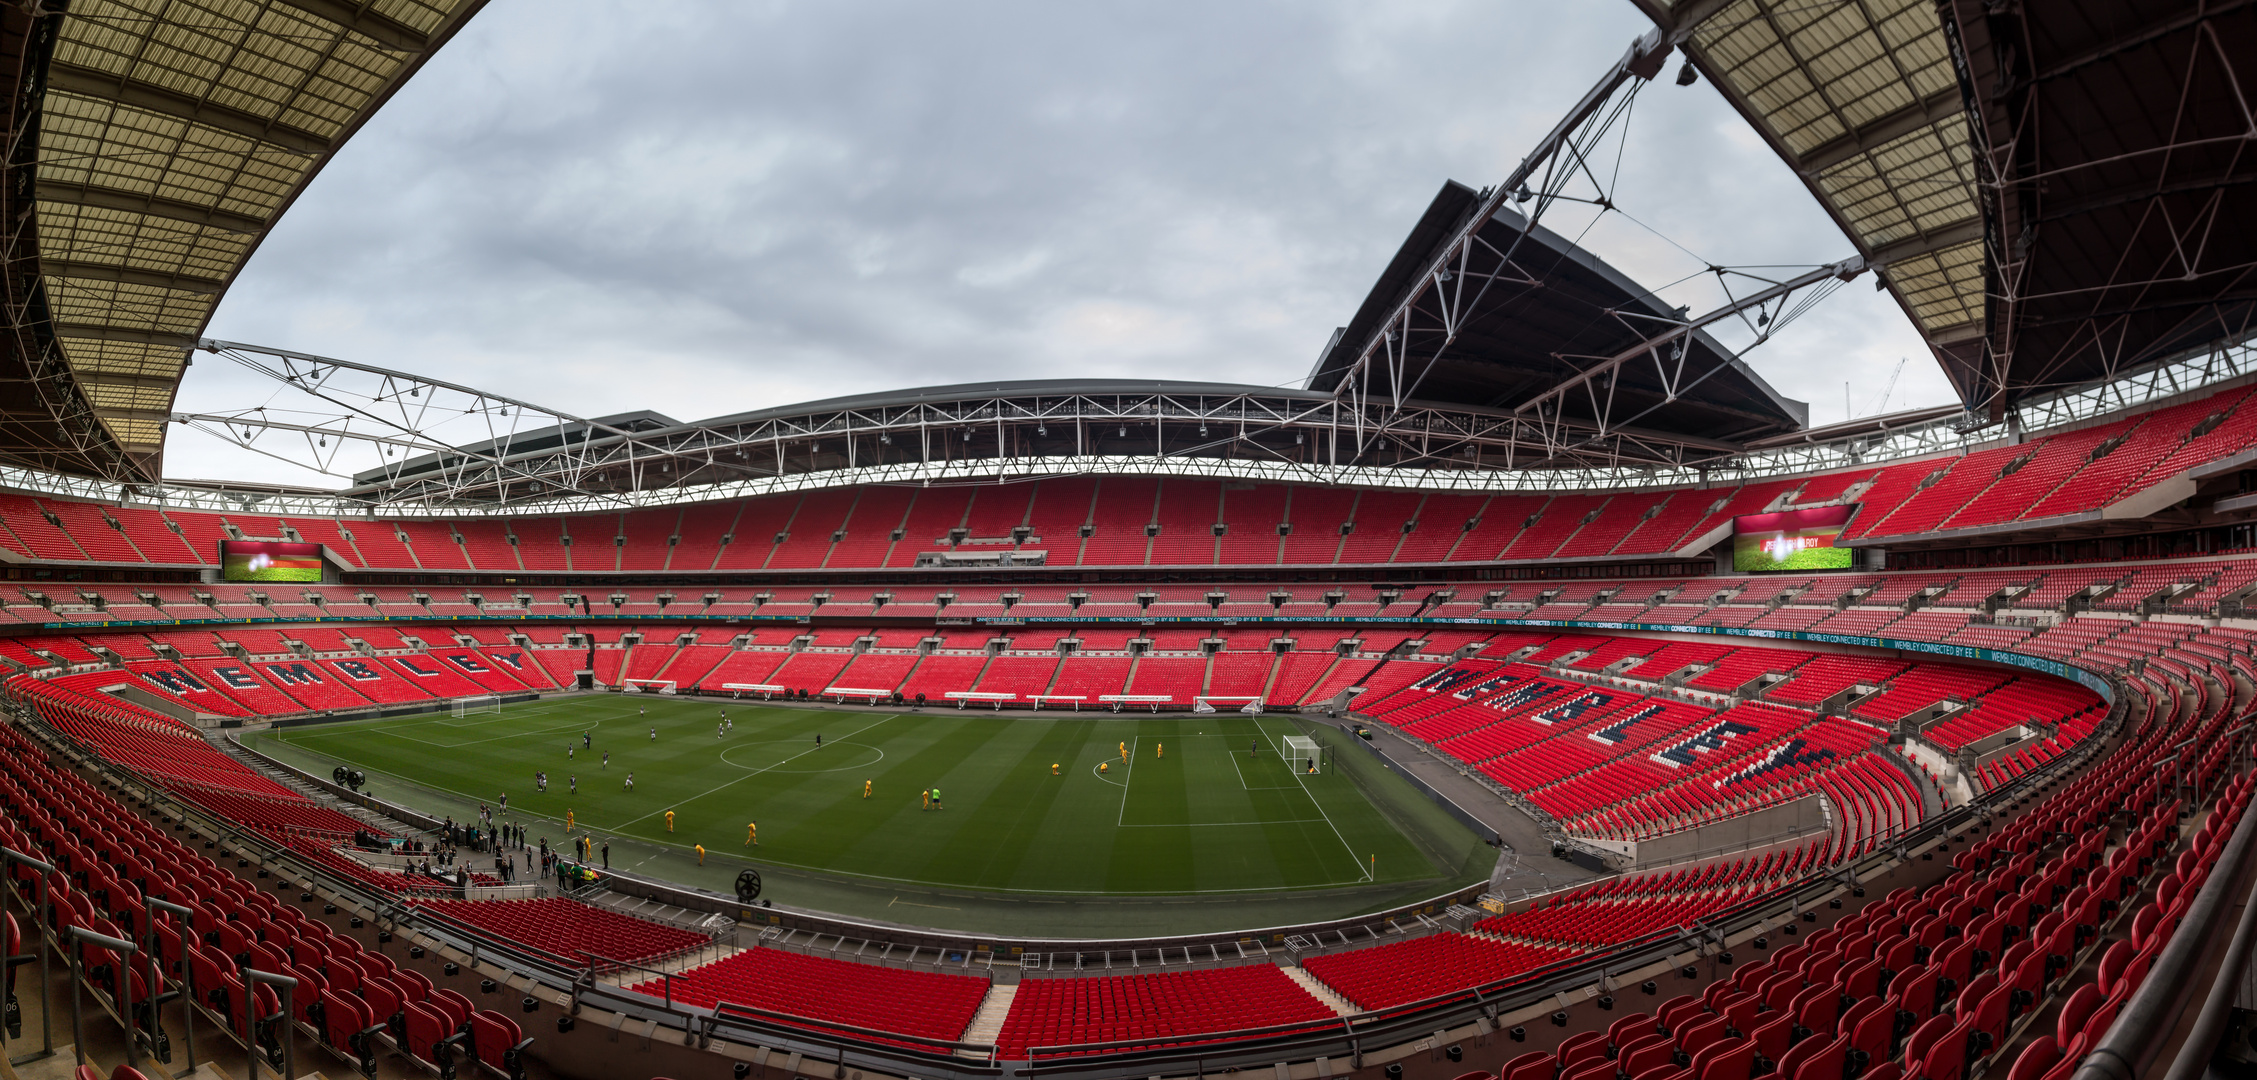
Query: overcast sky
(706,207)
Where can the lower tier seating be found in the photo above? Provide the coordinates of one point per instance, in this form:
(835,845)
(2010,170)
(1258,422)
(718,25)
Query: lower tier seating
(1168,1008)
(929,1005)
(566,928)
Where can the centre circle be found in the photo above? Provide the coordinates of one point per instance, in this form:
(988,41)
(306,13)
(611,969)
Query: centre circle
(802,756)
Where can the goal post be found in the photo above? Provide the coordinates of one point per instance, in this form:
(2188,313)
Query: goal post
(483,703)
(1303,754)
(648,686)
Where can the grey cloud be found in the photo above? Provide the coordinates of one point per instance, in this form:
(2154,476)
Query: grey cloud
(705,208)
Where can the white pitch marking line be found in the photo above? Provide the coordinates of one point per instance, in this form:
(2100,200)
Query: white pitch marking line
(1364,874)
(747,776)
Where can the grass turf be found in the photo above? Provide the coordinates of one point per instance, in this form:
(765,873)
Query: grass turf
(1202,806)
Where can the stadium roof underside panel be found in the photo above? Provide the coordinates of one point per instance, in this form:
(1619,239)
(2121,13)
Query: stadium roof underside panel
(2056,193)
(156,143)
(1532,310)
(2121,139)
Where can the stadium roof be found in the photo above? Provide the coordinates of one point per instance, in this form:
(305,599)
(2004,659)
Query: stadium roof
(2057,192)
(1545,315)
(163,139)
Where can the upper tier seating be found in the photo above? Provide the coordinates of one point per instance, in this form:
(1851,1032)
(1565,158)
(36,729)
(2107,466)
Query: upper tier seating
(1140,521)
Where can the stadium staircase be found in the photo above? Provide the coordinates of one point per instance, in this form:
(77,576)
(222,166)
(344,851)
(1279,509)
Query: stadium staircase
(1339,1005)
(988,1022)
(314,794)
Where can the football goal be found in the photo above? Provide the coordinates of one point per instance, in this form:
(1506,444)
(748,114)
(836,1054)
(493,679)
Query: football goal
(1303,754)
(648,686)
(483,703)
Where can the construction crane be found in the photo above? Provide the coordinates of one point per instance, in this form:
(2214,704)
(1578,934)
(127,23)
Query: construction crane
(1889,388)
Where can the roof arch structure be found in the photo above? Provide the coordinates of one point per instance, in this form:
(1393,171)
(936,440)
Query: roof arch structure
(155,143)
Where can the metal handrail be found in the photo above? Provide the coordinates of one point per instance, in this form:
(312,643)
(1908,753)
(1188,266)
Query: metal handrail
(10,858)
(724,1011)
(2148,1019)
(125,992)
(185,917)
(2194,1055)
(252,976)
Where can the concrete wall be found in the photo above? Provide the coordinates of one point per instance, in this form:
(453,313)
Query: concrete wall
(1766,826)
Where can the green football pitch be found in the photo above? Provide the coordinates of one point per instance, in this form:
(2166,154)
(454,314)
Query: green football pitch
(1201,805)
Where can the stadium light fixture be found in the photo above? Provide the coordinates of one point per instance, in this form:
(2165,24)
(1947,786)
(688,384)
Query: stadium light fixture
(1687,75)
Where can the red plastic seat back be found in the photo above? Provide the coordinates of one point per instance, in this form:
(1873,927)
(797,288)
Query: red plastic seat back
(457,1007)
(1675,1011)
(2037,1059)
(1647,1056)
(427,1028)
(343,1017)
(383,1001)
(1699,1035)
(1823,1063)
(1533,1066)
(495,1035)
(1934,1030)
(1588,1046)
(307,993)
(1629,1029)
(1947,1059)
(1991,1019)
(1817,1008)
(1915,992)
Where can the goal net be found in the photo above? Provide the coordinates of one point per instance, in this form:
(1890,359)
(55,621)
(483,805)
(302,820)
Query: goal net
(483,703)
(1303,754)
(649,686)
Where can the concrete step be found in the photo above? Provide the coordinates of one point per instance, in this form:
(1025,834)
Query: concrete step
(365,816)
(1340,1006)
(988,1022)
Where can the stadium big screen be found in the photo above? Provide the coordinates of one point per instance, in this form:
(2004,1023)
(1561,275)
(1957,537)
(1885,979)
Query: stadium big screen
(269,560)
(1790,540)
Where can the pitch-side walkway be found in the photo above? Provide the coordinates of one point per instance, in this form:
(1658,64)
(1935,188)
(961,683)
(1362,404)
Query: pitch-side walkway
(1535,869)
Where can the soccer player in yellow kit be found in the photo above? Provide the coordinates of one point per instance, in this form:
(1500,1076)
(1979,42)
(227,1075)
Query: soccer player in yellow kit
(1124,753)
(865,789)
(670,821)
(1160,750)
(1053,768)
(568,821)
(752,834)
(700,853)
